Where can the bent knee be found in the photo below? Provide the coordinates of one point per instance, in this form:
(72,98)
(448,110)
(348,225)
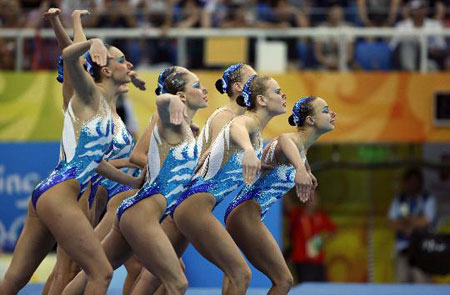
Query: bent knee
(182,285)
(285,281)
(243,275)
(104,274)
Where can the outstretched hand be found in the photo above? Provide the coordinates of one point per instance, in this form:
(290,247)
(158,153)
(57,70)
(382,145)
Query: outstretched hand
(98,52)
(251,166)
(78,12)
(137,81)
(303,185)
(52,12)
(176,110)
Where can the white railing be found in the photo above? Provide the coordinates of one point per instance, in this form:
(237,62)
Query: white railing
(260,34)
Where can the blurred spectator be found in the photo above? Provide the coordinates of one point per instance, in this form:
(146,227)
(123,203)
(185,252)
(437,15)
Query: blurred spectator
(413,210)
(408,48)
(317,10)
(237,16)
(436,9)
(378,13)
(11,15)
(155,14)
(279,14)
(6,55)
(91,5)
(326,48)
(309,228)
(188,15)
(227,13)
(44,52)
(441,189)
(116,14)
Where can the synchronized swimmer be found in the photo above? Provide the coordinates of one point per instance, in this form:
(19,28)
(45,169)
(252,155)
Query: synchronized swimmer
(111,201)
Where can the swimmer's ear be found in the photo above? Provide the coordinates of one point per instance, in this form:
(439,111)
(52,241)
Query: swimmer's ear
(310,121)
(182,96)
(106,72)
(261,100)
(239,86)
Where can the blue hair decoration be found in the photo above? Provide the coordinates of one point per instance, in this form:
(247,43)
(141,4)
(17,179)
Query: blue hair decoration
(296,109)
(246,92)
(226,74)
(87,64)
(161,89)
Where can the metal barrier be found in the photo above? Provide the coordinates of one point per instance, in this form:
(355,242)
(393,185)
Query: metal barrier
(260,34)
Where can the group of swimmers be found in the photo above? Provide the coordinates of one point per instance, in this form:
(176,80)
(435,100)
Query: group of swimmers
(111,202)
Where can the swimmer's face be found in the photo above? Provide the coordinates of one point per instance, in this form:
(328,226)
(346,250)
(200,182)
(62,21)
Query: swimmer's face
(195,92)
(119,68)
(323,117)
(275,98)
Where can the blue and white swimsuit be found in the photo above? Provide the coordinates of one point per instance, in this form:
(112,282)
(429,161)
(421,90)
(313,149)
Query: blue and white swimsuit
(83,146)
(221,173)
(122,146)
(268,188)
(204,139)
(169,170)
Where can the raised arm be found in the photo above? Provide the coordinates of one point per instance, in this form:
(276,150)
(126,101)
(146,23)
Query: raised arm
(171,109)
(240,130)
(303,182)
(78,33)
(63,41)
(82,82)
(62,38)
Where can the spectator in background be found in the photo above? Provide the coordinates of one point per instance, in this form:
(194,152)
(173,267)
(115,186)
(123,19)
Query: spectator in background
(11,15)
(187,14)
(326,48)
(378,13)
(282,14)
(156,14)
(279,14)
(237,16)
(436,9)
(317,10)
(44,52)
(413,210)
(6,55)
(117,14)
(408,48)
(309,228)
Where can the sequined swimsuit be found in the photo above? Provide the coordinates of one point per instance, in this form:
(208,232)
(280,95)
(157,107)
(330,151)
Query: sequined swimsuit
(204,139)
(83,145)
(169,170)
(270,187)
(221,173)
(122,146)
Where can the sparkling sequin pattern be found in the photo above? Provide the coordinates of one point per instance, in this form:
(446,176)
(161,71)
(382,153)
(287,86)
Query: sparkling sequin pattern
(204,139)
(122,146)
(270,187)
(83,145)
(221,173)
(169,170)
